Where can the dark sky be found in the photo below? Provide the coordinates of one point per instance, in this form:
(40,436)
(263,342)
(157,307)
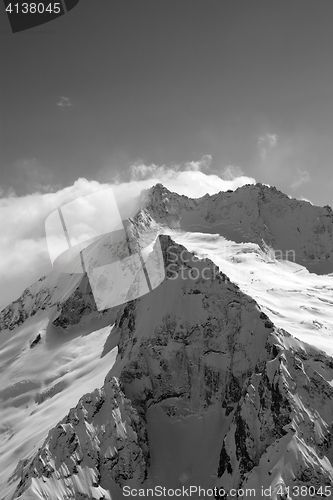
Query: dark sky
(249,82)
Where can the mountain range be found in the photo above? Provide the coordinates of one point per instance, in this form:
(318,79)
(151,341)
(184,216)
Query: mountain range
(217,383)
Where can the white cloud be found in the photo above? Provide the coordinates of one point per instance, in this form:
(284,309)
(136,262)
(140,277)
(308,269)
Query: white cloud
(266,143)
(64,102)
(188,178)
(24,254)
(140,171)
(301,177)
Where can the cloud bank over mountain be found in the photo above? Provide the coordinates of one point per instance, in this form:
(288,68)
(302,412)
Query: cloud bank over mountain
(23,249)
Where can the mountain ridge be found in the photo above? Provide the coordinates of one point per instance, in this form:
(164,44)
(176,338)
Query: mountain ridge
(253,213)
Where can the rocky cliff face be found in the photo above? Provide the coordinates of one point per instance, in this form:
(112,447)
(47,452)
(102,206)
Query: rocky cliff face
(198,361)
(180,345)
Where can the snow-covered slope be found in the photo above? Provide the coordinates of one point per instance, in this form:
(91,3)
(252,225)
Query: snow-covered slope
(208,389)
(51,341)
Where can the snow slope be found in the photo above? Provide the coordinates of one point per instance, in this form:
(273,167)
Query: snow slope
(46,368)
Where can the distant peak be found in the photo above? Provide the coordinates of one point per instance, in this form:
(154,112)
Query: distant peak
(159,188)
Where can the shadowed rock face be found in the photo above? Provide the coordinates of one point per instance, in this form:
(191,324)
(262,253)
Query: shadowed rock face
(193,341)
(77,307)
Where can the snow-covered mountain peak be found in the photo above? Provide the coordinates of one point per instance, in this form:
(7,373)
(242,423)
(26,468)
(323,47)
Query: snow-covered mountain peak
(293,229)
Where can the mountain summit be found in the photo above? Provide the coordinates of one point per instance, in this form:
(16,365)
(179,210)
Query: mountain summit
(253,213)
